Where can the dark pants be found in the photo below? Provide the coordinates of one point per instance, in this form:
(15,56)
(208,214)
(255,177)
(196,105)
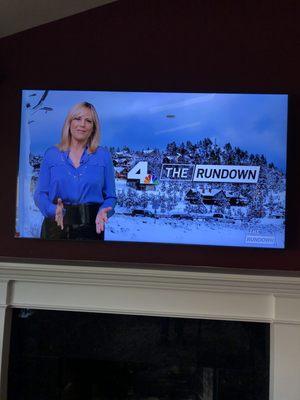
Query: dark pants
(50,230)
(79,224)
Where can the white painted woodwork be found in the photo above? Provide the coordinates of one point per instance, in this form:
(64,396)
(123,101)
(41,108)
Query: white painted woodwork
(164,291)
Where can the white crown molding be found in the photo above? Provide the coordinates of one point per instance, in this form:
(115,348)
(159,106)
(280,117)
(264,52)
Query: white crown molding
(161,276)
(183,293)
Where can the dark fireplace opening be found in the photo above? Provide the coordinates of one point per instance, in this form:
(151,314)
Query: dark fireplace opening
(59,355)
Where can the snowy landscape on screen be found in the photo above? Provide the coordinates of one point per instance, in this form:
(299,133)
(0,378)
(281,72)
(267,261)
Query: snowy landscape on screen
(160,209)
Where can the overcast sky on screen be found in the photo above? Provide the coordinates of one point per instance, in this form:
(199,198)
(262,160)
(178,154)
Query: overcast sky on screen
(256,123)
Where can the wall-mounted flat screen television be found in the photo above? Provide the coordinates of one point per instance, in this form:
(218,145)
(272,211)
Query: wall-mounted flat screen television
(180,168)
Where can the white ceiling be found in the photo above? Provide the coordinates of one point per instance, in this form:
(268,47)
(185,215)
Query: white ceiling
(19,15)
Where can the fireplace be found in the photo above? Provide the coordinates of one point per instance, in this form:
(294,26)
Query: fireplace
(59,355)
(205,295)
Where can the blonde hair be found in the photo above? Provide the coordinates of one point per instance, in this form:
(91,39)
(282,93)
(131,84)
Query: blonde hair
(93,140)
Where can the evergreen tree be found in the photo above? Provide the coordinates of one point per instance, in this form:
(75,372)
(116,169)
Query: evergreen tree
(143,200)
(155,203)
(131,199)
(256,207)
(121,198)
(271,204)
(172,149)
(228,154)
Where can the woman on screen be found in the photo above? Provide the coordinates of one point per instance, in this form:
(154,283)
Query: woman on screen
(76,186)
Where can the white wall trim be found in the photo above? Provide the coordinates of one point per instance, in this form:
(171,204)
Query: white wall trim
(109,288)
(111,274)
(165,291)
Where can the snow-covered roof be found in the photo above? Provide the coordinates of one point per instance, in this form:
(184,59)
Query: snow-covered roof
(171,158)
(148,151)
(191,191)
(122,154)
(119,169)
(121,160)
(211,192)
(229,194)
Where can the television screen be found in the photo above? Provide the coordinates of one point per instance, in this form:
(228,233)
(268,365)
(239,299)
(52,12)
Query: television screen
(182,168)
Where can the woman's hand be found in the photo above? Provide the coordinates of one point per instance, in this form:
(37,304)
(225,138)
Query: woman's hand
(59,214)
(101,219)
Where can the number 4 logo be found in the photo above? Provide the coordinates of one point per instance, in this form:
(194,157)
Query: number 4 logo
(139,171)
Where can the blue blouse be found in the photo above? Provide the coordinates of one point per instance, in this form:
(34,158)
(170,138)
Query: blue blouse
(92,182)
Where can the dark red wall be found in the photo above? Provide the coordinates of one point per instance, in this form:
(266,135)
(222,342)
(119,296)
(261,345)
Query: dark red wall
(176,45)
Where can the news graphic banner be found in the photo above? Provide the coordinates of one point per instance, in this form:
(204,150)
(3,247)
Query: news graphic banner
(210,173)
(190,168)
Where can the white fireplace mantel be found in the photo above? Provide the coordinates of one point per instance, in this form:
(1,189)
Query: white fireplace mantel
(163,291)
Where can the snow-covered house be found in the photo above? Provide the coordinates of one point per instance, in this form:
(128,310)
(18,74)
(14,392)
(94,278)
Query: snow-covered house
(121,159)
(167,159)
(176,159)
(235,199)
(193,197)
(217,196)
(121,173)
(213,196)
(136,184)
